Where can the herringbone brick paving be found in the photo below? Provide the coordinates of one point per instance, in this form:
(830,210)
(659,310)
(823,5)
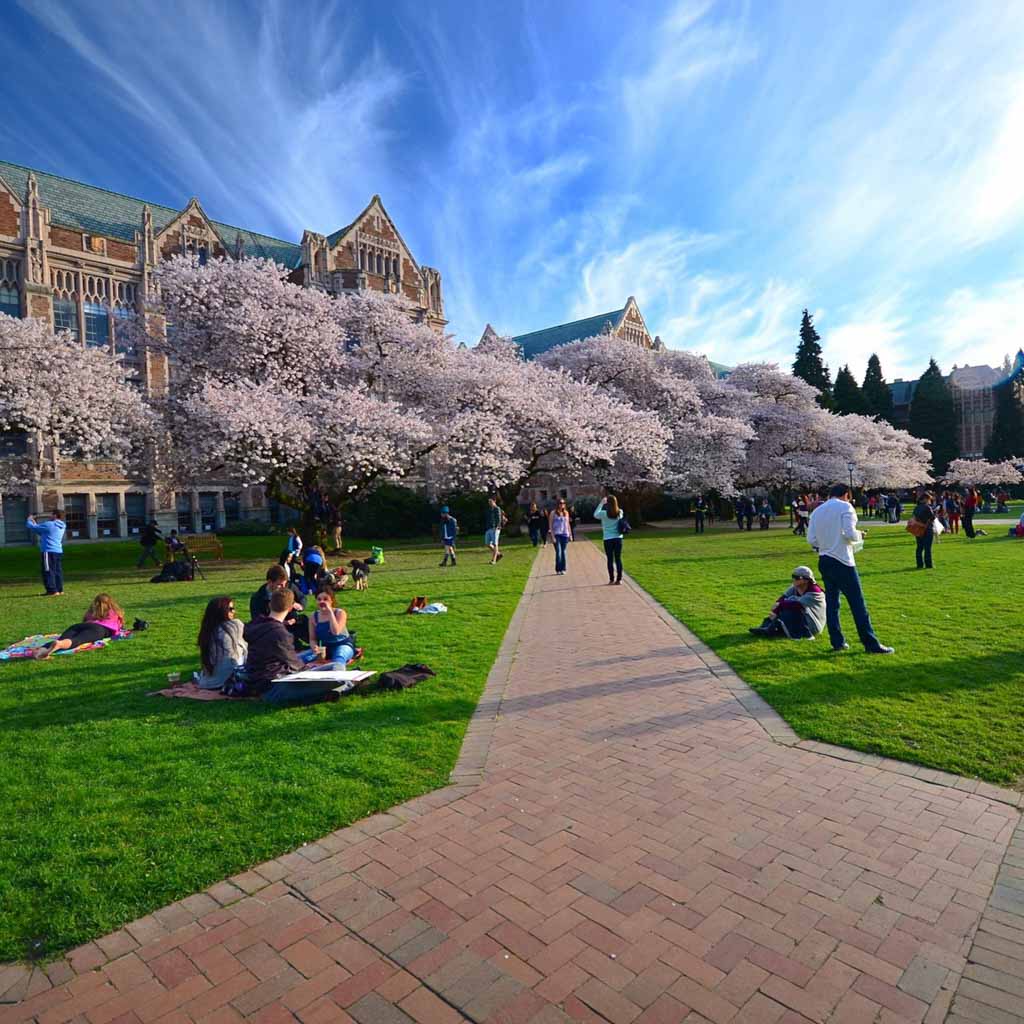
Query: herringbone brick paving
(625,842)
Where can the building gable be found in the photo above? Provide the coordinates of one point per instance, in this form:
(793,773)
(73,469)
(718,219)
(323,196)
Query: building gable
(10,211)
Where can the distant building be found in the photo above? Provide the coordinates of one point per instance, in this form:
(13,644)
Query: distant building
(81,258)
(974,397)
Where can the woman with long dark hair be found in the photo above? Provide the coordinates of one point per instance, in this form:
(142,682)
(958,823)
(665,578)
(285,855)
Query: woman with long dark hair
(222,648)
(103,619)
(561,531)
(609,515)
(328,631)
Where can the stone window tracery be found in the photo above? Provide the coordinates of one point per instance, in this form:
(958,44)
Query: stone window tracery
(10,300)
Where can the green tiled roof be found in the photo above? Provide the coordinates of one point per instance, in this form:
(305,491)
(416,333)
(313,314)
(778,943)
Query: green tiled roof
(537,342)
(97,211)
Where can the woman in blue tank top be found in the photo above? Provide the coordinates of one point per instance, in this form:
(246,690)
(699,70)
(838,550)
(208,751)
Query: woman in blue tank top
(328,630)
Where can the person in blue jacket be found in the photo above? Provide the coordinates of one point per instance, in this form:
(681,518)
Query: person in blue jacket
(449,532)
(51,547)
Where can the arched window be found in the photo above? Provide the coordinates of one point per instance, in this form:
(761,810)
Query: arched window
(10,300)
(96,313)
(362,259)
(394,267)
(65,303)
(380,264)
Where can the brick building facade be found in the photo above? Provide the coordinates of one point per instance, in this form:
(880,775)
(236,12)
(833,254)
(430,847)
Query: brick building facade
(82,258)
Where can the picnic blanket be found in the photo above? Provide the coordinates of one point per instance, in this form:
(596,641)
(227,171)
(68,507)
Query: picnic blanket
(27,648)
(192,692)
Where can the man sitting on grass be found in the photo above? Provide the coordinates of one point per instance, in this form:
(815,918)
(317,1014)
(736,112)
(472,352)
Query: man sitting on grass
(277,581)
(271,648)
(800,613)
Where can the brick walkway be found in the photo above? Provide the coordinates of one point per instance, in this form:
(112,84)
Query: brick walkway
(631,836)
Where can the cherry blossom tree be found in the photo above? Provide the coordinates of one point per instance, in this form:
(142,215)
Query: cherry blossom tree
(301,392)
(66,395)
(978,472)
(705,445)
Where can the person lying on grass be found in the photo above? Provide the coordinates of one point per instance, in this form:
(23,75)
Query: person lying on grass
(103,620)
(799,613)
(222,648)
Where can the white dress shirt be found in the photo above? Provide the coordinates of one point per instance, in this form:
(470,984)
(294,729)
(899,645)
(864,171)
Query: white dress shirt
(833,531)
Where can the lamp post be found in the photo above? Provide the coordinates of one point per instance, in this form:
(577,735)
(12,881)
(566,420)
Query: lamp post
(849,467)
(789,489)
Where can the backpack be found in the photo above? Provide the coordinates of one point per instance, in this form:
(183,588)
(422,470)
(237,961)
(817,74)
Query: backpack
(405,677)
(377,556)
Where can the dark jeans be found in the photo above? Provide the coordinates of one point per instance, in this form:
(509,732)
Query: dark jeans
(699,524)
(924,549)
(749,520)
(613,552)
(841,580)
(560,545)
(968,521)
(53,572)
(538,535)
(148,551)
(795,623)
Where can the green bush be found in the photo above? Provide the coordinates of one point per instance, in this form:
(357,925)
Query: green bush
(390,511)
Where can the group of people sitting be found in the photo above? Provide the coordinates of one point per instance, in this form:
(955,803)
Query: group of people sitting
(307,567)
(279,639)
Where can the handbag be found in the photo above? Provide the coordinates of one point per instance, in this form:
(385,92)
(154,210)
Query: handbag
(624,526)
(916,527)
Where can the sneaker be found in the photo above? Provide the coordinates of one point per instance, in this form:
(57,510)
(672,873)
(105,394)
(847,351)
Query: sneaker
(845,647)
(882,650)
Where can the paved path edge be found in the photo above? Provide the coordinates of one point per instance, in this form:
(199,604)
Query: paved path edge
(780,731)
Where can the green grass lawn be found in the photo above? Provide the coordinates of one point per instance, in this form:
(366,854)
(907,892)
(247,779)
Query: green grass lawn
(952,697)
(113,803)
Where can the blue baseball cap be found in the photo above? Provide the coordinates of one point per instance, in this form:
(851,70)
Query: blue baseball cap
(444,508)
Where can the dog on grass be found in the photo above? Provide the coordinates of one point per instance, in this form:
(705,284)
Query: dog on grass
(360,574)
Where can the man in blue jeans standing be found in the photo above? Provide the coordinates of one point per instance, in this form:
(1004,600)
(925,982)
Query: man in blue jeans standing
(833,533)
(51,547)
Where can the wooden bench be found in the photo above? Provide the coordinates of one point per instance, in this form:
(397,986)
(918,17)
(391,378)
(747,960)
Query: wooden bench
(203,544)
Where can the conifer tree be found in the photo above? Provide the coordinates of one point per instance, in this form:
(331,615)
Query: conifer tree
(1007,441)
(876,391)
(809,365)
(847,396)
(933,417)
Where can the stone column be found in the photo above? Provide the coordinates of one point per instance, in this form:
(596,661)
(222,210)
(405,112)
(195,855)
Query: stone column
(220,521)
(197,518)
(122,515)
(90,516)
(3,523)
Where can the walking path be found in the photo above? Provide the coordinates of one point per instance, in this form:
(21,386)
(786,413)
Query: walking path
(631,835)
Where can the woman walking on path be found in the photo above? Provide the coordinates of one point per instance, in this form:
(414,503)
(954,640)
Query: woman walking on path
(924,515)
(537,524)
(609,515)
(561,533)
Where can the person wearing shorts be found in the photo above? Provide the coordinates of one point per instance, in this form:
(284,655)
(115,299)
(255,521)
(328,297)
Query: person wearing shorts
(494,519)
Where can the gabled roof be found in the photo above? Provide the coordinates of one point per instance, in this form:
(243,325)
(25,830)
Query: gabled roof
(336,236)
(537,342)
(97,211)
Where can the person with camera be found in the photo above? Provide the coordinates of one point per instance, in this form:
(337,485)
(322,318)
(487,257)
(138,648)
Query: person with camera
(149,537)
(611,518)
(51,549)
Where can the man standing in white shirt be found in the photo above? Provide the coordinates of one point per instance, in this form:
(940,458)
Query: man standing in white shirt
(833,533)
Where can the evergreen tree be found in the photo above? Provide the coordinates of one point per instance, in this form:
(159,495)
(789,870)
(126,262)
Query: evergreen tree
(876,391)
(933,417)
(847,396)
(809,366)
(1007,441)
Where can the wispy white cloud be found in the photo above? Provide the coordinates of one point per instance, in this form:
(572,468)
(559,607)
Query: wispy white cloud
(978,325)
(275,116)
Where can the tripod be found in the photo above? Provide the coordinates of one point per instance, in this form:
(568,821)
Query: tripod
(197,569)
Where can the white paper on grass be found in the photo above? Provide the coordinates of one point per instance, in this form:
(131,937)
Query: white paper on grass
(331,674)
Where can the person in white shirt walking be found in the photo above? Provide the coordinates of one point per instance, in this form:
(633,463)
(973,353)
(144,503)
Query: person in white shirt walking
(832,532)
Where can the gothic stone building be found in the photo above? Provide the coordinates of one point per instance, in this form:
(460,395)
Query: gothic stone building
(82,258)
(627,323)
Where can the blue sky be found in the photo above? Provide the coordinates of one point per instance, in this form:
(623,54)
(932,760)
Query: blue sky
(726,163)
